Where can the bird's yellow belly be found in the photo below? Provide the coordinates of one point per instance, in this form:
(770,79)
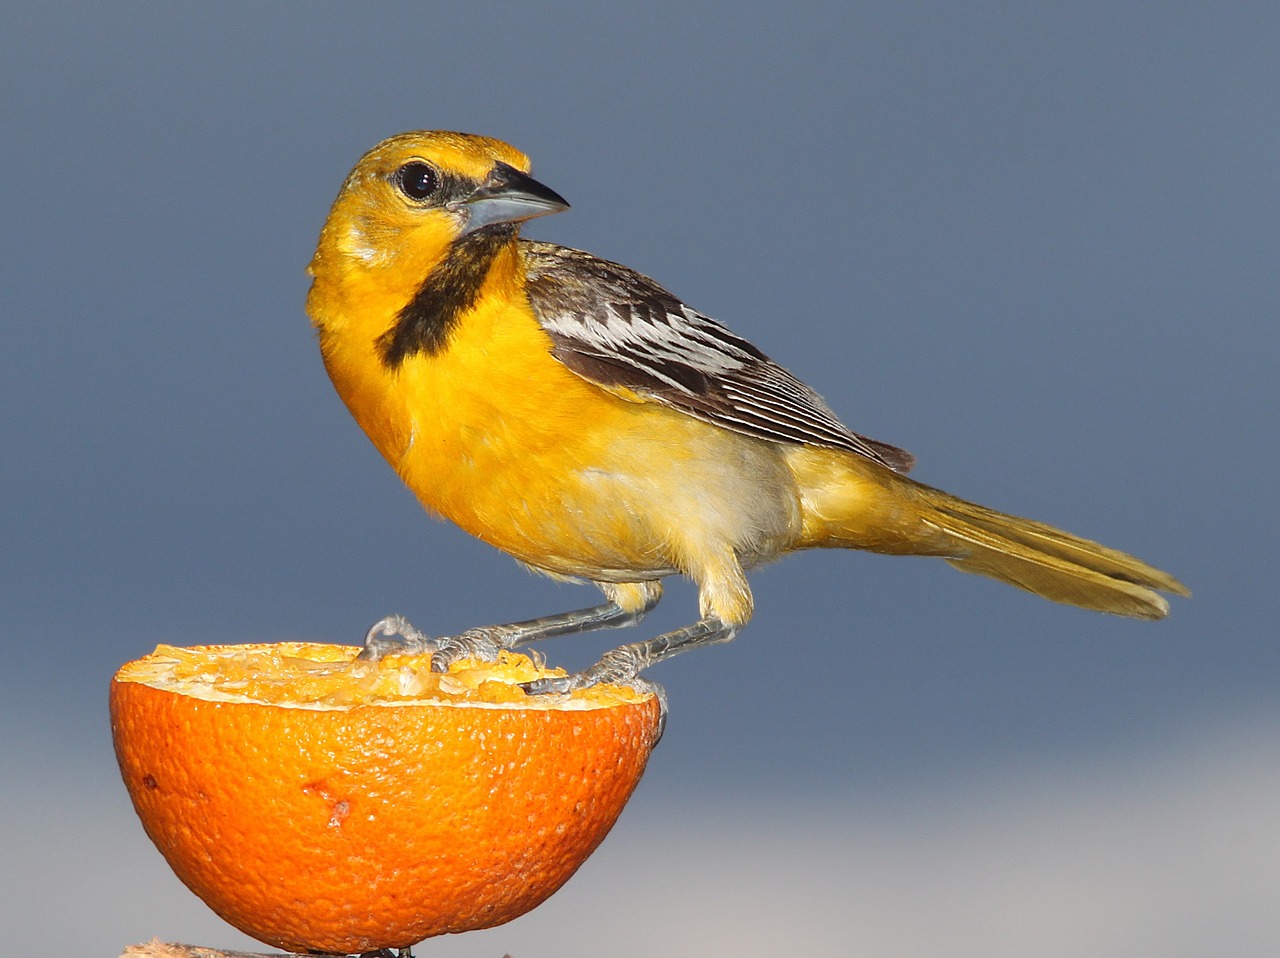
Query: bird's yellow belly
(538,482)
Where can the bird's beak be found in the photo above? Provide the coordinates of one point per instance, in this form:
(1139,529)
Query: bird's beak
(509,196)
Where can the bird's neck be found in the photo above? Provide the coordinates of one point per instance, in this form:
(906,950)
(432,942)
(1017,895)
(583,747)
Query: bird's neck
(426,322)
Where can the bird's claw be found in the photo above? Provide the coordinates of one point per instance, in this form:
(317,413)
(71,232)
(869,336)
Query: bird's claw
(483,644)
(617,667)
(555,685)
(395,634)
(602,672)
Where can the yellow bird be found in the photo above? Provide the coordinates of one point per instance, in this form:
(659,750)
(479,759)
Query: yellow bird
(576,415)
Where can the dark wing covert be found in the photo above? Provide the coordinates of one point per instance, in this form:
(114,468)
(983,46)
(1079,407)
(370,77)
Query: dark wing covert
(618,328)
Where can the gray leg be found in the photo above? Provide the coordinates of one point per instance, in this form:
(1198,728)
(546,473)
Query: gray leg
(396,634)
(623,665)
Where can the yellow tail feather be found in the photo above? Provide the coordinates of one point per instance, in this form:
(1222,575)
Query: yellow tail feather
(851,502)
(1047,561)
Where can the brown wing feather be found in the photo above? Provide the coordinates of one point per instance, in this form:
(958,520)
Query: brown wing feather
(618,328)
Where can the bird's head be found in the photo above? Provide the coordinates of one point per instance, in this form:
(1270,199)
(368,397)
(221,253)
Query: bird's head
(413,196)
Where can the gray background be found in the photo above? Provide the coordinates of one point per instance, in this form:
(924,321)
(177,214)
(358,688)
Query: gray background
(1034,244)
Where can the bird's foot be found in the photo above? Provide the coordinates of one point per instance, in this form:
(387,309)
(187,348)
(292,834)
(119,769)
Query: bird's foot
(617,667)
(483,644)
(395,634)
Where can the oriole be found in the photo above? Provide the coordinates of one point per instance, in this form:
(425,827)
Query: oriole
(576,415)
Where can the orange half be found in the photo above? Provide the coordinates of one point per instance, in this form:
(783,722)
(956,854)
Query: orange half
(321,803)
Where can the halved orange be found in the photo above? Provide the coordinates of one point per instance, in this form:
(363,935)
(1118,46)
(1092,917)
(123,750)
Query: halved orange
(318,802)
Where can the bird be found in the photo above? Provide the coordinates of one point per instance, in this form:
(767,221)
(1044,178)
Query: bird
(579,417)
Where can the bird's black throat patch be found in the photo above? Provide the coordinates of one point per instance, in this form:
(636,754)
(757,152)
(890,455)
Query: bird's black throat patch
(426,322)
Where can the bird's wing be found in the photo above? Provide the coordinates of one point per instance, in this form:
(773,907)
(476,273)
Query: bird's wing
(621,330)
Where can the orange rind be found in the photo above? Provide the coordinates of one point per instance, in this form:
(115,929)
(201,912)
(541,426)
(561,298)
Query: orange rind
(320,802)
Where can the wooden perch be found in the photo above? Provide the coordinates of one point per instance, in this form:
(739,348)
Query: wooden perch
(155,948)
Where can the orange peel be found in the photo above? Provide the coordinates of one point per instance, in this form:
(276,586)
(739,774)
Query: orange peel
(320,802)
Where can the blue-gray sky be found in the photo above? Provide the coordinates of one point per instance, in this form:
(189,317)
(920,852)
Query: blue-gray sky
(1033,244)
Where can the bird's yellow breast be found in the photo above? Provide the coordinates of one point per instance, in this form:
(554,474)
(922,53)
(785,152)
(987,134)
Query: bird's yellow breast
(499,430)
(498,436)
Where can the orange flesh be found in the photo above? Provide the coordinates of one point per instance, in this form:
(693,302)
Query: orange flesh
(304,675)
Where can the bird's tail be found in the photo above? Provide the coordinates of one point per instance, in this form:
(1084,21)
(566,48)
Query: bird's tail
(876,509)
(1048,561)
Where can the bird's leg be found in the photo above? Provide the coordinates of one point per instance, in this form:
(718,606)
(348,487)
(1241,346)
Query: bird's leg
(628,604)
(623,665)
(485,642)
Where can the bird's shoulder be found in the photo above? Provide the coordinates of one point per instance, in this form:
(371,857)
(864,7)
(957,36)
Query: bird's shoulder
(620,329)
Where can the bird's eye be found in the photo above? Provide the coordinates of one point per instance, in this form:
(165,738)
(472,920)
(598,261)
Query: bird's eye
(417,180)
